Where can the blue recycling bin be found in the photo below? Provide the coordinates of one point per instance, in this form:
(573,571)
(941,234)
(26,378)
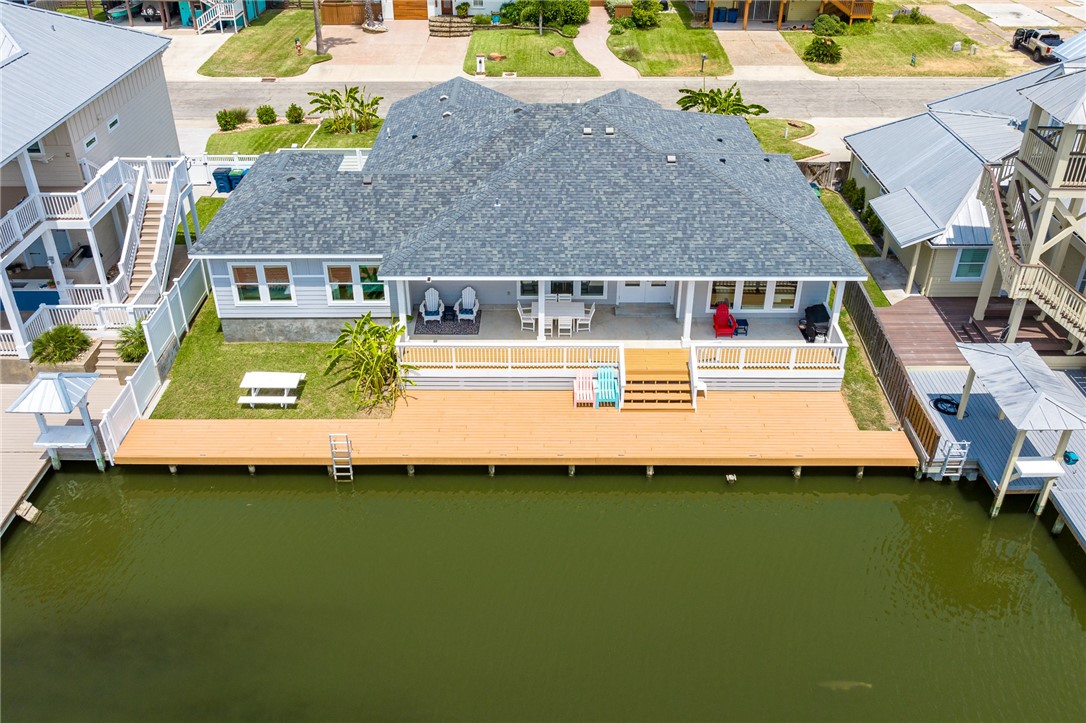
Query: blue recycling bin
(733,15)
(222,180)
(235,177)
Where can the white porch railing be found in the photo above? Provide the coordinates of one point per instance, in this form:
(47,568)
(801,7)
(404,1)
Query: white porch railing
(509,355)
(84,294)
(38,323)
(132,234)
(740,356)
(7,343)
(176,183)
(96,317)
(19,220)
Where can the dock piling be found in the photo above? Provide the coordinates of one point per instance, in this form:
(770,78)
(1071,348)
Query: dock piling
(410,470)
(573,470)
(490,470)
(797,471)
(54,458)
(172,468)
(252,470)
(860,472)
(1058,527)
(649,471)
(731,478)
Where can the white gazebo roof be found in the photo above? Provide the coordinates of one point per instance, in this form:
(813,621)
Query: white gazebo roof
(54,393)
(1031,396)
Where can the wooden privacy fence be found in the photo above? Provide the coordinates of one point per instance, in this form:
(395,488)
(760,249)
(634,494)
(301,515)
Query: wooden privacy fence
(824,173)
(347,13)
(908,405)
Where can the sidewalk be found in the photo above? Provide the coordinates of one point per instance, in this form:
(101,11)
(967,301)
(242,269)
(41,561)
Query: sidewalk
(591,43)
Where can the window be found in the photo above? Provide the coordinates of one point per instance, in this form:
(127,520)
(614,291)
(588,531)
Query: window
(528,288)
(112,124)
(262,283)
(562,287)
(754,294)
(90,141)
(352,284)
(592,289)
(477,3)
(784,294)
(34,149)
(246,283)
(720,292)
(970,264)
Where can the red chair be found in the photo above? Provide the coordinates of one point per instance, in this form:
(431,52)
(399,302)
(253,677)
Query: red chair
(723,321)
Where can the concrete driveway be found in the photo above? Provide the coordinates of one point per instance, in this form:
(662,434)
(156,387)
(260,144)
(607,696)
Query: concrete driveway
(405,52)
(763,55)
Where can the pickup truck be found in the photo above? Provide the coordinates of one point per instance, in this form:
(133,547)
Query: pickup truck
(1036,41)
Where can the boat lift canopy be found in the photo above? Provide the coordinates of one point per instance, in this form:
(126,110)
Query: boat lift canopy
(60,393)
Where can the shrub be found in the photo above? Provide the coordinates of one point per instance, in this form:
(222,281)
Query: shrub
(609,6)
(848,190)
(132,346)
(630,54)
(462,10)
(226,120)
(555,14)
(266,115)
(645,13)
(623,24)
(365,358)
(241,115)
(858,199)
(913,17)
(575,12)
(861,28)
(822,50)
(481,20)
(872,221)
(59,345)
(827,25)
(295,114)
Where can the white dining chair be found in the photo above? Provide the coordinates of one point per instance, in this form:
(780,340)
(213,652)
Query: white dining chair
(565,297)
(584,323)
(550,297)
(565,326)
(527,321)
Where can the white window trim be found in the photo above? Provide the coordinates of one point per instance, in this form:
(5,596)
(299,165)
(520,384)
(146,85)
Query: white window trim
(972,279)
(356,282)
(262,283)
(89,142)
(581,295)
(1081,284)
(113,123)
(736,304)
(40,153)
(523,296)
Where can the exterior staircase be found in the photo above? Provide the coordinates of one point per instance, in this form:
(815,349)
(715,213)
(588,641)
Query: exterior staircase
(108,358)
(849,9)
(657,380)
(142,267)
(449,26)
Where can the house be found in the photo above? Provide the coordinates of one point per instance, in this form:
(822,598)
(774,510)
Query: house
(80,96)
(651,216)
(929,179)
(785,13)
(205,15)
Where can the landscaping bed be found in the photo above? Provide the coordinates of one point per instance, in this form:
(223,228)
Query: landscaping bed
(266,48)
(672,49)
(884,48)
(770,134)
(857,238)
(267,139)
(527,54)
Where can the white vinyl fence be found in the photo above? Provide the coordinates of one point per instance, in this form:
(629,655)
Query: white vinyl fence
(164,328)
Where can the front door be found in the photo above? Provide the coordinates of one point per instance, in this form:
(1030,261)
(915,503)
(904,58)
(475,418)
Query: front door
(646,292)
(446,7)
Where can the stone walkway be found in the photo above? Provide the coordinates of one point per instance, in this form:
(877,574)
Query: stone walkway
(591,43)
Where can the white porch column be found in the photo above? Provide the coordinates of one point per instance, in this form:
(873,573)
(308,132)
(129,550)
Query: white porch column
(1005,480)
(912,269)
(55,267)
(97,256)
(838,301)
(185,229)
(679,286)
(405,304)
(688,310)
(195,218)
(542,312)
(15,319)
(26,167)
(986,286)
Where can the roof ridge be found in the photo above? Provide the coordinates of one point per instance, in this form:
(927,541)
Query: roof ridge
(95,23)
(956,137)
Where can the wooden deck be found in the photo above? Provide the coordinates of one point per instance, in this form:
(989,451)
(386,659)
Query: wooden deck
(540,428)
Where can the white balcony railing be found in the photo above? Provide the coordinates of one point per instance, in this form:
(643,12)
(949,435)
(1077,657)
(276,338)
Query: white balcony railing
(744,356)
(511,355)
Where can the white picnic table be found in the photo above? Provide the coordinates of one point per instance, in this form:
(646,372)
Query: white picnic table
(283,382)
(560,309)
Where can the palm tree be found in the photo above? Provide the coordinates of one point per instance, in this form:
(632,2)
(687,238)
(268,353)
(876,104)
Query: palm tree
(720,102)
(318,36)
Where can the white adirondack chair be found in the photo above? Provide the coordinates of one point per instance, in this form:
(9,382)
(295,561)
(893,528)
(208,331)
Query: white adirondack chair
(467,306)
(432,307)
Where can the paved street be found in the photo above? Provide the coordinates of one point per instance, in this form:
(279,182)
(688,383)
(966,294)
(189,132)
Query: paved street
(840,98)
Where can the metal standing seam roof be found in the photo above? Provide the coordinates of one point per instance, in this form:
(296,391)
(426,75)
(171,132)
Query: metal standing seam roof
(65,62)
(531,193)
(54,393)
(1063,98)
(1073,48)
(1031,396)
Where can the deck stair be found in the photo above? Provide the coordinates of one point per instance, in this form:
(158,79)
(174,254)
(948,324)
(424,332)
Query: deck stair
(143,266)
(342,468)
(450,26)
(849,9)
(108,358)
(657,380)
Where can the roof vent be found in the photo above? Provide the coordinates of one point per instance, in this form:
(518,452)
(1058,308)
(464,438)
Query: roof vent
(719,140)
(723,160)
(367,180)
(414,136)
(447,114)
(442,98)
(518,110)
(497,203)
(587,131)
(766,159)
(609,131)
(672,160)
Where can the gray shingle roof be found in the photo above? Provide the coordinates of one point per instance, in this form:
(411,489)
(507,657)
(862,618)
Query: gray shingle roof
(60,64)
(526,193)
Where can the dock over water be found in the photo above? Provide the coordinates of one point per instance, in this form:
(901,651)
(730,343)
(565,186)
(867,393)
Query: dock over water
(729,429)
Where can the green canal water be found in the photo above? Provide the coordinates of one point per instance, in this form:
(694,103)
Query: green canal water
(532,596)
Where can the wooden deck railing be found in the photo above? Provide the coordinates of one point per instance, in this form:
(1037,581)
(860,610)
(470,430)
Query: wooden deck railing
(1040,153)
(909,406)
(853,9)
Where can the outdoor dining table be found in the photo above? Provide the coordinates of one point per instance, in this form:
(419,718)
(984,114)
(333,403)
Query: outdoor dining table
(283,382)
(559,309)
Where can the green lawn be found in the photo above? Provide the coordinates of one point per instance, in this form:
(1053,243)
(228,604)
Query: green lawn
(206,208)
(205,376)
(860,387)
(674,48)
(886,50)
(857,238)
(267,139)
(99,13)
(526,54)
(266,48)
(770,133)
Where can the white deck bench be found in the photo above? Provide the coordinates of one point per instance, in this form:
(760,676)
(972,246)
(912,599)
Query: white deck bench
(254,399)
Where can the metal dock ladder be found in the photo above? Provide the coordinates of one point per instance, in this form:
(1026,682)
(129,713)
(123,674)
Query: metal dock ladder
(954,462)
(341,468)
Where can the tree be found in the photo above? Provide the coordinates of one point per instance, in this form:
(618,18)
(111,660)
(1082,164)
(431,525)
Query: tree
(128,9)
(318,36)
(720,102)
(90,10)
(365,357)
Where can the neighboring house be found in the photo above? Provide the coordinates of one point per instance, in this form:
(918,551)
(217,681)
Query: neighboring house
(77,95)
(785,13)
(218,15)
(928,179)
(655,216)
